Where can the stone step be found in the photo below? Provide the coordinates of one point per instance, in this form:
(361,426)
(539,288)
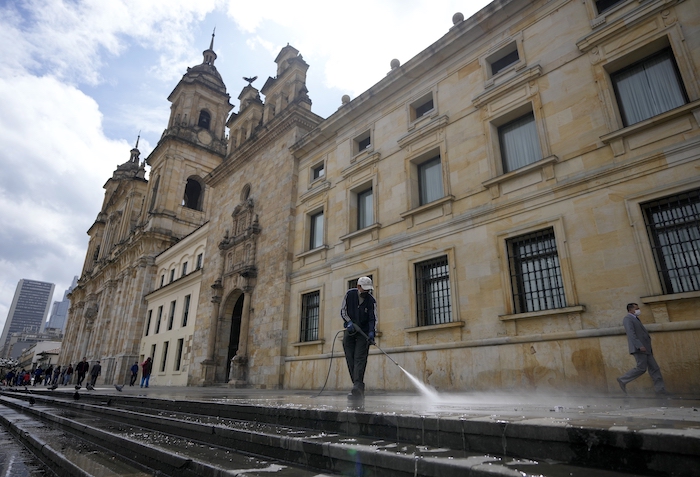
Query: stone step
(168,431)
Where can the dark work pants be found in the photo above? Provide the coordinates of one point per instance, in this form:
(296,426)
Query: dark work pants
(81,376)
(644,362)
(133,379)
(356,349)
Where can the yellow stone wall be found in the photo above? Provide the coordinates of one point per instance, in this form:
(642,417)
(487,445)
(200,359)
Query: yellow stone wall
(594,174)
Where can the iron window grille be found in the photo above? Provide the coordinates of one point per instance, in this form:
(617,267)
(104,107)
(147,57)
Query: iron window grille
(433,292)
(310,308)
(535,273)
(673,225)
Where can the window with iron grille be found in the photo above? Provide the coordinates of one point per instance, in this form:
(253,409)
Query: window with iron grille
(433,292)
(673,225)
(535,274)
(310,307)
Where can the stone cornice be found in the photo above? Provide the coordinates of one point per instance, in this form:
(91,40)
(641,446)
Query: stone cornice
(290,118)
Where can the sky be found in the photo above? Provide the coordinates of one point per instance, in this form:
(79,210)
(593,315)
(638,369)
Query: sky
(81,79)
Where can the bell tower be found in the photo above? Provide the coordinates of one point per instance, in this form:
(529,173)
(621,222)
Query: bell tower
(193,144)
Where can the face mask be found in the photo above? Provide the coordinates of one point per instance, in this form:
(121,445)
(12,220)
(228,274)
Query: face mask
(637,312)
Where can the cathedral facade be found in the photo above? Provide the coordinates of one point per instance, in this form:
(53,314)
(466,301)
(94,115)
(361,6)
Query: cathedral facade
(509,190)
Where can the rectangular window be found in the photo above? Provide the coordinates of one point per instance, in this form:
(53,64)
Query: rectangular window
(604,5)
(673,225)
(362,142)
(165,356)
(171,315)
(310,308)
(199,261)
(184,269)
(160,315)
(430,180)
(649,87)
(318,171)
(365,209)
(316,231)
(178,354)
(433,292)
(162,280)
(172,275)
(504,59)
(422,106)
(185,310)
(519,144)
(153,352)
(148,321)
(535,274)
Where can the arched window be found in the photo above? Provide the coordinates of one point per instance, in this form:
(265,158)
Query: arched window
(194,194)
(204,119)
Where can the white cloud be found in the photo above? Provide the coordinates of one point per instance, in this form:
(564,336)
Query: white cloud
(353,41)
(54,160)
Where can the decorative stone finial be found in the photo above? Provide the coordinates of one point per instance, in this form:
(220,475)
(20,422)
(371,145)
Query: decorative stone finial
(345,99)
(457,18)
(395,64)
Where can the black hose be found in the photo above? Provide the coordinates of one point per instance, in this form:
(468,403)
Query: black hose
(330,364)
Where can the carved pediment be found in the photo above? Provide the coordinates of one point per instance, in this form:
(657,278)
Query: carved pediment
(244,225)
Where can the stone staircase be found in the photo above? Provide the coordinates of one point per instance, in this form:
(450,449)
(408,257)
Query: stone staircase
(122,435)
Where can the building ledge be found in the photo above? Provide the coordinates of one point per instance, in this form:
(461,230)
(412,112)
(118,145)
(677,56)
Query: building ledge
(543,313)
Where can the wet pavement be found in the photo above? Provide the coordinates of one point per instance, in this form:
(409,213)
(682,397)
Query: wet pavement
(603,431)
(15,460)
(673,415)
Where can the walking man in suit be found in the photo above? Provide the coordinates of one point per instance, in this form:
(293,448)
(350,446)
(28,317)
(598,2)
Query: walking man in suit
(639,343)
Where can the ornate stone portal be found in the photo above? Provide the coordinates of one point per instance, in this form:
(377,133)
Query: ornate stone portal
(238,250)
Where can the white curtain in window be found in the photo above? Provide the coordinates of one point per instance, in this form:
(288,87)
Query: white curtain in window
(365,211)
(519,144)
(648,89)
(430,173)
(316,231)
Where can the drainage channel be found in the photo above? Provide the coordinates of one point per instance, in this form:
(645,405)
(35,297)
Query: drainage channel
(185,444)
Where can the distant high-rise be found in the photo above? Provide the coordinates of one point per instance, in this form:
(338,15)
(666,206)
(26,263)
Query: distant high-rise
(57,319)
(29,309)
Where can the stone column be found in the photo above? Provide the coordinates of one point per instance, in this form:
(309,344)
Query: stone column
(209,364)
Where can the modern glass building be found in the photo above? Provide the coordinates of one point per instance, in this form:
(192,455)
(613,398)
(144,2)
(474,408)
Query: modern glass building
(28,312)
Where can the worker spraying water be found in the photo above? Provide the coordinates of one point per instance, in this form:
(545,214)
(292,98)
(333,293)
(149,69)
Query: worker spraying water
(359,313)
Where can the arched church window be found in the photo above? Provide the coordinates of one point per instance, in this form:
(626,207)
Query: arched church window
(193,194)
(245,193)
(204,119)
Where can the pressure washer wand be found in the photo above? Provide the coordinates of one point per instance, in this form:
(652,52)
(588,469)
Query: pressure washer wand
(358,329)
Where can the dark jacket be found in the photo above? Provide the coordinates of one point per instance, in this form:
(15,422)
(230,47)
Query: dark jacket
(364,315)
(147,367)
(82,367)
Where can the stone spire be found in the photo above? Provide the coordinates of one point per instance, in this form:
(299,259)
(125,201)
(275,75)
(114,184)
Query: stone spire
(209,55)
